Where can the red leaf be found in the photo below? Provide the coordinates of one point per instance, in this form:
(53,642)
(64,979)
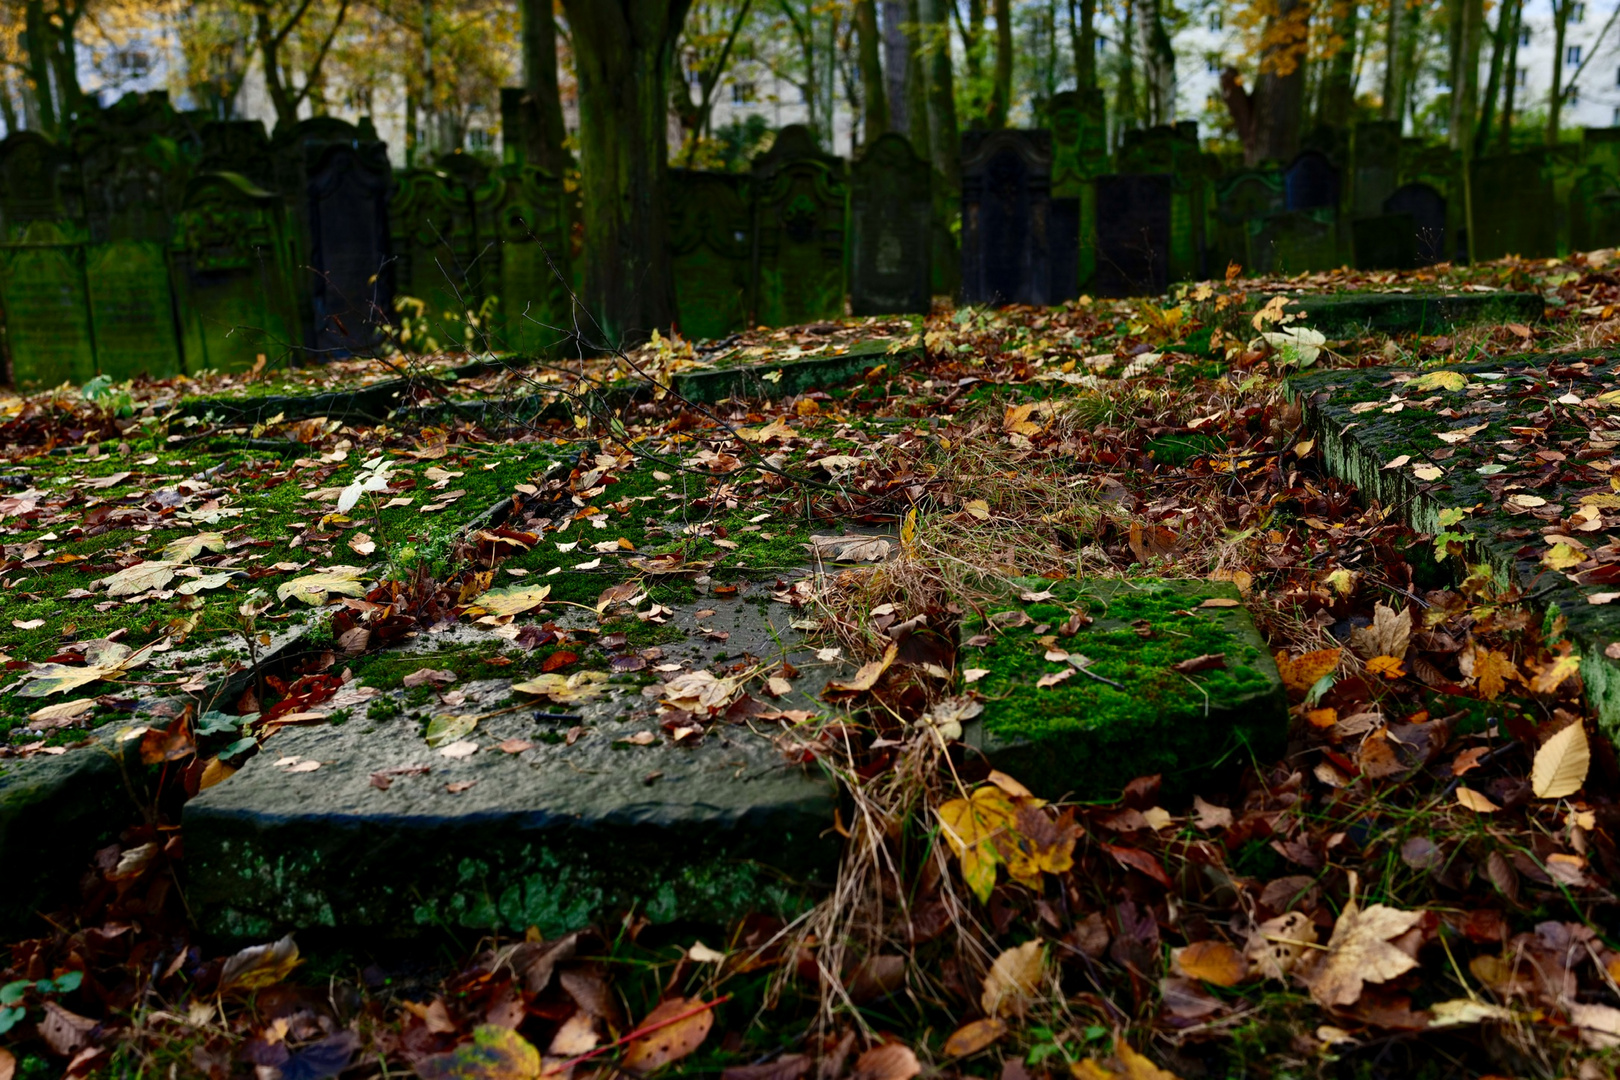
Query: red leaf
(1132,859)
(558,660)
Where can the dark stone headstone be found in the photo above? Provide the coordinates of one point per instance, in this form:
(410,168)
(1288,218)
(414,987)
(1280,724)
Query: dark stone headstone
(1385,242)
(1134,224)
(33,173)
(1591,222)
(1173,149)
(233,259)
(890,209)
(1006,217)
(1311,183)
(523,230)
(711,233)
(1427,209)
(1079,156)
(1293,242)
(800,202)
(238,146)
(1239,198)
(1601,147)
(49,339)
(1375,164)
(1513,207)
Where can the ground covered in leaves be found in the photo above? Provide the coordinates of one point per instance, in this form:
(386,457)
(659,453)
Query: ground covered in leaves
(1419,882)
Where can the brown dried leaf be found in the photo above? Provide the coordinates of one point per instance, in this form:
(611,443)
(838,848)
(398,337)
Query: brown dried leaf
(672,1042)
(1212,961)
(1360,952)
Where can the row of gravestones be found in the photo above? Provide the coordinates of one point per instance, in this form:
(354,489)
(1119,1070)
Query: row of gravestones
(148,241)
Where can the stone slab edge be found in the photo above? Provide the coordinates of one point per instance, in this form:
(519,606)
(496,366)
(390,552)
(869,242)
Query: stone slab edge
(1426,313)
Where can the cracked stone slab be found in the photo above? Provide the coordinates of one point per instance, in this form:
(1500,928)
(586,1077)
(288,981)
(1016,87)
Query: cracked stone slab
(603,812)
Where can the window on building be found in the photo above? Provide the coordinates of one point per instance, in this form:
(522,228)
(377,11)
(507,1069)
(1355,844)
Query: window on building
(742,93)
(1578,13)
(1522,80)
(134,63)
(1212,64)
(1524,37)
(1574,94)
(479,139)
(1215,23)
(1614,120)
(1572,55)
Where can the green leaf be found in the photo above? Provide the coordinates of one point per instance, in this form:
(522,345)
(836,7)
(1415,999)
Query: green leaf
(13,992)
(1439,380)
(214,722)
(67,982)
(48,679)
(447,728)
(495,1053)
(513,599)
(314,589)
(9,1018)
(187,548)
(240,746)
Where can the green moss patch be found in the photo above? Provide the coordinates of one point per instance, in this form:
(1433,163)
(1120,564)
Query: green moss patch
(1119,709)
(1351,313)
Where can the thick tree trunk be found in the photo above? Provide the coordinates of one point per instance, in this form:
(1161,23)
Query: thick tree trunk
(1392,61)
(874,91)
(1125,85)
(1555,94)
(544,131)
(1083,40)
(622,53)
(37,33)
(1510,84)
(1493,80)
(1469,23)
(943,133)
(1158,64)
(1279,100)
(917,82)
(1338,83)
(1001,84)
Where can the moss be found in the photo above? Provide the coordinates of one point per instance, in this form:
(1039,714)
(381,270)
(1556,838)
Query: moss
(1088,736)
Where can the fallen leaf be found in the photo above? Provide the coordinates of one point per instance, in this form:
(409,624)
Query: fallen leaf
(187,548)
(1361,952)
(1211,961)
(673,1041)
(1013,980)
(442,677)
(142,577)
(1561,763)
(850,548)
(1301,673)
(891,1061)
(1490,670)
(1473,800)
(314,589)
(974,1036)
(971,827)
(512,599)
(1389,634)
(62,713)
(259,966)
(1208,816)
(495,1053)
(1439,380)
(1126,1064)
(1599,1024)
(580,686)
(1276,946)
(1387,666)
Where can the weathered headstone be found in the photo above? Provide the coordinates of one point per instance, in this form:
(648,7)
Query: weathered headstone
(434,243)
(238,146)
(1240,198)
(49,339)
(800,200)
(523,230)
(711,229)
(1427,209)
(336,179)
(1079,156)
(1513,201)
(1601,147)
(1173,149)
(1134,225)
(1385,242)
(1310,183)
(1375,161)
(1006,217)
(890,209)
(233,259)
(1293,242)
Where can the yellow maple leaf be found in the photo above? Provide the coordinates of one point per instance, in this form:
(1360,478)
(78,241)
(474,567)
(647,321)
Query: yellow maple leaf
(1562,557)
(1017,419)
(1300,673)
(1489,669)
(1387,666)
(971,828)
(1552,676)
(1036,843)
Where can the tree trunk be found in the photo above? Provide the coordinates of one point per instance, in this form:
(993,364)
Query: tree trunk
(1280,97)
(942,128)
(917,81)
(1392,61)
(1469,22)
(622,53)
(874,91)
(543,129)
(1083,40)
(8,111)
(1240,104)
(37,34)
(1001,84)
(1158,65)
(1555,94)
(70,99)
(1510,86)
(1338,83)
(1493,80)
(1125,85)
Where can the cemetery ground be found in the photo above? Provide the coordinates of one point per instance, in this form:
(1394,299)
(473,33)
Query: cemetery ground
(1124,689)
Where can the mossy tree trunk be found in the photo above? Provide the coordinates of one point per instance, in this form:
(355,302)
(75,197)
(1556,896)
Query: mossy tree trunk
(544,131)
(875,99)
(622,52)
(1001,89)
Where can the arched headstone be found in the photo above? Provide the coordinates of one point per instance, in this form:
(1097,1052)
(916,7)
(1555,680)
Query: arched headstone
(522,227)
(1006,215)
(1310,183)
(890,210)
(711,236)
(800,201)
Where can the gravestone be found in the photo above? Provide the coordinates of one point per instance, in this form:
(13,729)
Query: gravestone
(49,339)
(1427,209)
(711,230)
(233,258)
(1375,161)
(800,199)
(1134,222)
(238,146)
(522,227)
(1173,149)
(1513,202)
(1293,242)
(1600,147)
(1311,183)
(1385,242)
(433,240)
(1006,217)
(890,206)
(1240,198)
(336,179)
(1079,156)
(1590,226)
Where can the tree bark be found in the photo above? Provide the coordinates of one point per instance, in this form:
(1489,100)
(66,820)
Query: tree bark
(1158,64)
(1493,79)
(1125,85)
(1338,83)
(37,34)
(1280,97)
(1083,39)
(874,91)
(277,82)
(917,82)
(622,53)
(544,130)
(1393,83)
(1555,94)
(1001,83)
(1510,86)
(1469,21)
(943,133)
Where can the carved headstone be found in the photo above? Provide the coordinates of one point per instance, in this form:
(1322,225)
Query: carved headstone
(49,339)
(1239,199)
(1006,217)
(1134,222)
(890,207)
(233,257)
(1079,156)
(1427,209)
(1311,183)
(1512,206)
(800,201)
(1293,242)
(711,235)
(523,231)
(1375,164)
(1173,149)
(434,242)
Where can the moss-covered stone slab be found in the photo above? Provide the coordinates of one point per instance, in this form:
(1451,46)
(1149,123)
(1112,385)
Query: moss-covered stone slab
(1340,315)
(1115,706)
(603,812)
(744,376)
(1512,460)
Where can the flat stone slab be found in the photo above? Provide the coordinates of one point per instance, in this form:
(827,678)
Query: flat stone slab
(1115,706)
(779,377)
(1520,452)
(1348,314)
(603,812)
